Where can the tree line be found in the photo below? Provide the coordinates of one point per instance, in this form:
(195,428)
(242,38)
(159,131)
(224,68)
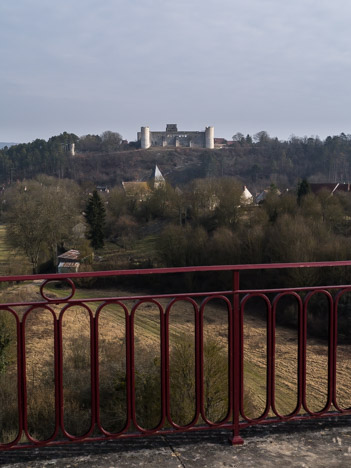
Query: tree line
(52,157)
(205,222)
(258,160)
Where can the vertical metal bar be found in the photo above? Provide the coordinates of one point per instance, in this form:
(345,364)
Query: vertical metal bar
(237,340)
(302,357)
(300,354)
(94,379)
(60,375)
(167,368)
(21,363)
(270,361)
(131,396)
(97,370)
(199,364)
(163,338)
(128,369)
(331,355)
(335,350)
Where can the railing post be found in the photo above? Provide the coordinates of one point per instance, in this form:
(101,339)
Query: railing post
(21,382)
(236,360)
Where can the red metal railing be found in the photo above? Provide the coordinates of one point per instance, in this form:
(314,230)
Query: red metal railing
(27,391)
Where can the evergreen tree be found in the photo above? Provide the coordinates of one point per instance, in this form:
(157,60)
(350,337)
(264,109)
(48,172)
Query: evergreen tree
(95,218)
(303,189)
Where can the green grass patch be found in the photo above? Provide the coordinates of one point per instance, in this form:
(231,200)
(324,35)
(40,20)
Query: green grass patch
(11,261)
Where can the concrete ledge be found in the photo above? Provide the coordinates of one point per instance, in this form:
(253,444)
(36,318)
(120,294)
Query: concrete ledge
(318,443)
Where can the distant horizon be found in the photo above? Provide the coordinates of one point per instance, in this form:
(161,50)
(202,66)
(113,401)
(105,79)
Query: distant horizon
(218,134)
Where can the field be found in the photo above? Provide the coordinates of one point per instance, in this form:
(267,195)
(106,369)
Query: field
(11,261)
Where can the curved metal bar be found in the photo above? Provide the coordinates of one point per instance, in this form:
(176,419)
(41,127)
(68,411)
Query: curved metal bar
(20,405)
(132,360)
(335,321)
(269,357)
(230,366)
(128,377)
(197,365)
(330,353)
(30,310)
(275,302)
(63,299)
(92,372)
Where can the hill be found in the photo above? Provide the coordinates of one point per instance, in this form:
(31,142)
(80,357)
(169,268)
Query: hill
(256,162)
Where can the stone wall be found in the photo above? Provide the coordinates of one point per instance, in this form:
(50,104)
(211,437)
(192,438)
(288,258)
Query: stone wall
(175,138)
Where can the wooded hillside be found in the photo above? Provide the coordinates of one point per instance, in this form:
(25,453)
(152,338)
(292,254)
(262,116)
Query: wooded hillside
(107,160)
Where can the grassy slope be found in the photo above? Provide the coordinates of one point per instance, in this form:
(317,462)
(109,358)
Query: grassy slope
(138,253)
(147,335)
(11,261)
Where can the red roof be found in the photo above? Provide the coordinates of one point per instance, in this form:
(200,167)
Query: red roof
(334,187)
(69,255)
(220,141)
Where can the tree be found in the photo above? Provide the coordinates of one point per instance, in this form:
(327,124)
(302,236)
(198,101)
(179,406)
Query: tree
(89,143)
(95,218)
(261,137)
(238,137)
(229,193)
(302,190)
(111,141)
(39,216)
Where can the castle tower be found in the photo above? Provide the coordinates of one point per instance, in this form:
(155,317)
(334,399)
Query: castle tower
(72,149)
(145,138)
(209,137)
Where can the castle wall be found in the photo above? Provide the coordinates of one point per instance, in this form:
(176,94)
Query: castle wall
(184,138)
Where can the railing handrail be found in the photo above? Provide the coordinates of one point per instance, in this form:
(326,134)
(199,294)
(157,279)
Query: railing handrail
(168,270)
(234,301)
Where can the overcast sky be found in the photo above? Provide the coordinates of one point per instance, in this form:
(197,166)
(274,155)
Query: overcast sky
(86,66)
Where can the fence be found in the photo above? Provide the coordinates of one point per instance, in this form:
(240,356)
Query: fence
(82,367)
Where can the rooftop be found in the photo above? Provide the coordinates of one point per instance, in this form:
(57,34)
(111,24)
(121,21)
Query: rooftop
(69,255)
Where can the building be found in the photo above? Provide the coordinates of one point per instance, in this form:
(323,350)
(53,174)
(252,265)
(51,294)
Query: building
(246,197)
(330,187)
(173,137)
(159,180)
(137,190)
(220,143)
(260,198)
(69,262)
(141,191)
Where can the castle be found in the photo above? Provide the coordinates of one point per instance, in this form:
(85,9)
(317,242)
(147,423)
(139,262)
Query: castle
(172,137)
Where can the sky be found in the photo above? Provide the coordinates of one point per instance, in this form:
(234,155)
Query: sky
(86,66)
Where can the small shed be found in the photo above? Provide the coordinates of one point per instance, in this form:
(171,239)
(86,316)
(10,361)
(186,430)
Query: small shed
(68,262)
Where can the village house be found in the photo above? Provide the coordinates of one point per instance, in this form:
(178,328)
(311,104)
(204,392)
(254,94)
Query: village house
(69,262)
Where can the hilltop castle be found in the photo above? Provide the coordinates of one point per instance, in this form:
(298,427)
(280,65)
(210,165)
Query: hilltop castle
(172,137)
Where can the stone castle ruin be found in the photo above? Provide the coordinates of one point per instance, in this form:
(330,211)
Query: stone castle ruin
(172,137)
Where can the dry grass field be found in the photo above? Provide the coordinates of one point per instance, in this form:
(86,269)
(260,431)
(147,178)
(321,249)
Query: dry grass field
(11,261)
